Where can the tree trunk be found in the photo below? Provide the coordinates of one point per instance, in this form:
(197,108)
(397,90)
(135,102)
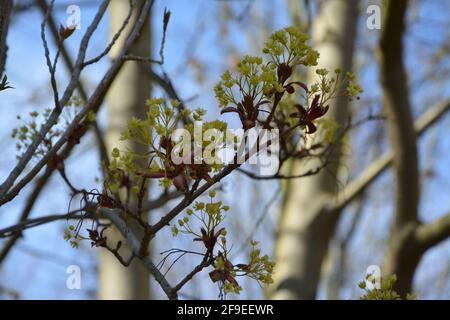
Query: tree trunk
(305,225)
(125,100)
(5,12)
(404,252)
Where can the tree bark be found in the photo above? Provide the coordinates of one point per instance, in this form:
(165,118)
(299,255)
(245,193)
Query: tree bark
(5,12)
(306,225)
(125,100)
(403,253)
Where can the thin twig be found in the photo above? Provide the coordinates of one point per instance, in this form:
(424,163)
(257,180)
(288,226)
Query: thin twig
(51,67)
(6,196)
(166,19)
(31,223)
(114,38)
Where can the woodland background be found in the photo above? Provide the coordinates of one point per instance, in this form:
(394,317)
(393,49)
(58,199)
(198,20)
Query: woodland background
(319,255)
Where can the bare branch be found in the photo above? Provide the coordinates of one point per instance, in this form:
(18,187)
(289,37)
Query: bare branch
(114,38)
(31,223)
(115,252)
(433,233)
(166,19)
(42,4)
(38,188)
(278,176)
(378,166)
(207,260)
(5,193)
(135,244)
(161,200)
(51,67)
(26,157)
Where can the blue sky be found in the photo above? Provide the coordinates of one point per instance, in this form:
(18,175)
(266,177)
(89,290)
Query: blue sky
(37,267)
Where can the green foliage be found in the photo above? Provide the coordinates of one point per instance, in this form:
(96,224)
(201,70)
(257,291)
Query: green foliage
(252,79)
(290,46)
(29,130)
(260,85)
(71,236)
(203,222)
(26,133)
(154,133)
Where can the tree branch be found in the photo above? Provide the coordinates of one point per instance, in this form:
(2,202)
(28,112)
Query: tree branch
(135,244)
(378,166)
(206,261)
(433,233)
(7,192)
(161,200)
(28,154)
(38,188)
(114,38)
(398,107)
(189,197)
(31,223)
(42,4)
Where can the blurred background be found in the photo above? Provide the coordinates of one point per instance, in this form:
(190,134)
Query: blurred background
(319,255)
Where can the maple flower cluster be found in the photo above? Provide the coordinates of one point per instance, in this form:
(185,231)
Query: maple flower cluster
(203,222)
(154,134)
(257,87)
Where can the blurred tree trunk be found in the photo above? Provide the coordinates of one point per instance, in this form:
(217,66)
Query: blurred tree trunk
(299,12)
(5,12)
(125,100)
(404,252)
(305,225)
(409,238)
